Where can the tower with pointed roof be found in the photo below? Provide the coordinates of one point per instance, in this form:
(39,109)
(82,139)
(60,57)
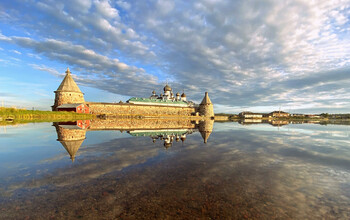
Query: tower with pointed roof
(206,107)
(68,92)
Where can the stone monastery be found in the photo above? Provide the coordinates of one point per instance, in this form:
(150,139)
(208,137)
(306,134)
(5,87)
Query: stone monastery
(68,97)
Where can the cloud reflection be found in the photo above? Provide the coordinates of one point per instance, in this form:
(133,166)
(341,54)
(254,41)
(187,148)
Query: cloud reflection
(239,172)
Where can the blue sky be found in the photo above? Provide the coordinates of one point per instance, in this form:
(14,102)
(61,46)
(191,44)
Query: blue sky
(249,55)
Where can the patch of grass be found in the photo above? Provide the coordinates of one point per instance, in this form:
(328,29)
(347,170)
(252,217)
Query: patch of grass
(23,115)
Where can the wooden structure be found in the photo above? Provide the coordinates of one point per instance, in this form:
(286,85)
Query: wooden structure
(77,107)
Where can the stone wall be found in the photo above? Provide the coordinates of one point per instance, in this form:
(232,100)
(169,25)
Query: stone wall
(67,98)
(133,109)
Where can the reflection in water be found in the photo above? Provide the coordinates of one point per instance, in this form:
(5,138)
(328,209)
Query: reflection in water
(72,134)
(297,171)
(277,123)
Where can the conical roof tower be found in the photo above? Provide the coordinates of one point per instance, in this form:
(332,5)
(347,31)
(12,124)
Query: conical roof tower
(68,84)
(206,108)
(68,92)
(206,100)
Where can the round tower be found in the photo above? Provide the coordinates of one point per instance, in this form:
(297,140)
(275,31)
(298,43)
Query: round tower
(68,92)
(206,108)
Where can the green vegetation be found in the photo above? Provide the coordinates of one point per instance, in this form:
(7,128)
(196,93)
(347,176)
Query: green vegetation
(339,116)
(324,115)
(8,115)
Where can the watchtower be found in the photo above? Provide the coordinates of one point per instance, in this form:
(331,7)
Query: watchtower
(206,108)
(68,92)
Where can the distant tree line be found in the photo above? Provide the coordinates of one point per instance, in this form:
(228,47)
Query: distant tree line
(230,116)
(336,116)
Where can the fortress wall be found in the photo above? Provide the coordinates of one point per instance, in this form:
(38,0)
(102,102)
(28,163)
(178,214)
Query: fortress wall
(133,109)
(138,124)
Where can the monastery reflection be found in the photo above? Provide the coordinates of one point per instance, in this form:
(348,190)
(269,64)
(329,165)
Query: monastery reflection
(167,136)
(278,123)
(72,134)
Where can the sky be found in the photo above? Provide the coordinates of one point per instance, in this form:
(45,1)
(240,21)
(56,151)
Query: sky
(249,55)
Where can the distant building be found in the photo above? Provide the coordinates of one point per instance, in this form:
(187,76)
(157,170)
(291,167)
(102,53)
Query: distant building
(279,114)
(250,115)
(297,115)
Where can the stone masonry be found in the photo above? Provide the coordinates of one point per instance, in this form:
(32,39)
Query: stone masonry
(136,109)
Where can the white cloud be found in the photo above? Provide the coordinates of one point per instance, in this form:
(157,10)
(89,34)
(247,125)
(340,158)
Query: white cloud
(244,53)
(34,56)
(165,6)
(104,8)
(124,5)
(16,52)
(47,69)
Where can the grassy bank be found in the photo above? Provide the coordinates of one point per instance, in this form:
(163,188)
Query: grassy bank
(22,115)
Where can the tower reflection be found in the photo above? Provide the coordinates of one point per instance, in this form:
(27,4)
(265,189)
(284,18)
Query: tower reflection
(72,134)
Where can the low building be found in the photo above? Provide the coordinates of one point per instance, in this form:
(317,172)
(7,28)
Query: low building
(250,115)
(279,114)
(76,107)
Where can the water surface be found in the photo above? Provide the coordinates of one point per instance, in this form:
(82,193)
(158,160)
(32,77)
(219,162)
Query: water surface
(159,169)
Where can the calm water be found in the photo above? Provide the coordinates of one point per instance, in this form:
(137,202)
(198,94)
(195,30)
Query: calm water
(164,170)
